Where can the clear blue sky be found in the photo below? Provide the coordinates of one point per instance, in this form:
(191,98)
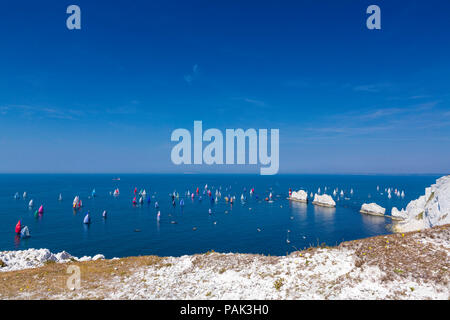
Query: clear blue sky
(107,97)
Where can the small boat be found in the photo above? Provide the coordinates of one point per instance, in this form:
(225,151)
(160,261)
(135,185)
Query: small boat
(87,219)
(158,216)
(16,196)
(30,204)
(156,204)
(104,214)
(18,227)
(76,201)
(134,201)
(93,193)
(41,209)
(141,200)
(116,192)
(60,197)
(24,195)
(25,232)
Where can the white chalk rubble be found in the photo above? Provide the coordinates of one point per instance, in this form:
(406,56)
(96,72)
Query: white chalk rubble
(33,258)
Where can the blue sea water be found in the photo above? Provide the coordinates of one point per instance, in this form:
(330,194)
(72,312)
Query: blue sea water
(134,230)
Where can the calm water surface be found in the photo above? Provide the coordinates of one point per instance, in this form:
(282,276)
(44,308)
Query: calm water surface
(230,228)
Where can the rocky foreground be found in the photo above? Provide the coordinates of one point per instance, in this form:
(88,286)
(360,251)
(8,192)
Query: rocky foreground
(412,265)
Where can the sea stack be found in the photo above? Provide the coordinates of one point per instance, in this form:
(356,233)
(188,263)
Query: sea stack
(372,209)
(324,200)
(431,209)
(299,196)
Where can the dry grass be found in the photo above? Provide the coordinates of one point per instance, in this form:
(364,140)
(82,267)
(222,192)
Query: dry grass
(51,279)
(404,255)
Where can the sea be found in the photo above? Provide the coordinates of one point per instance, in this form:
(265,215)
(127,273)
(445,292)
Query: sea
(255,225)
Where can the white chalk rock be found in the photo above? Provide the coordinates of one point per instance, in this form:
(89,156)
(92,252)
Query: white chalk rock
(33,258)
(324,200)
(299,195)
(431,209)
(98,257)
(63,256)
(399,214)
(372,208)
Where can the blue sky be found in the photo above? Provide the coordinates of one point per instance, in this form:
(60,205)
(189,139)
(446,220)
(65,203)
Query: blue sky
(107,97)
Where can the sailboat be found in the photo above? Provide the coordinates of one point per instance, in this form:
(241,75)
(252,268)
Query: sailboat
(87,219)
(24,195)
(25,232)
(30,204)
(41,209)
(93,193)
(60,197)
(116,192)
(18,227)
(76,200)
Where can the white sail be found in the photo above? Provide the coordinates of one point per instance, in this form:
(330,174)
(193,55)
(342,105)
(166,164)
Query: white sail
(25,233)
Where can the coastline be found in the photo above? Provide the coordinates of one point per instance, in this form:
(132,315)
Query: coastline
(412,265)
